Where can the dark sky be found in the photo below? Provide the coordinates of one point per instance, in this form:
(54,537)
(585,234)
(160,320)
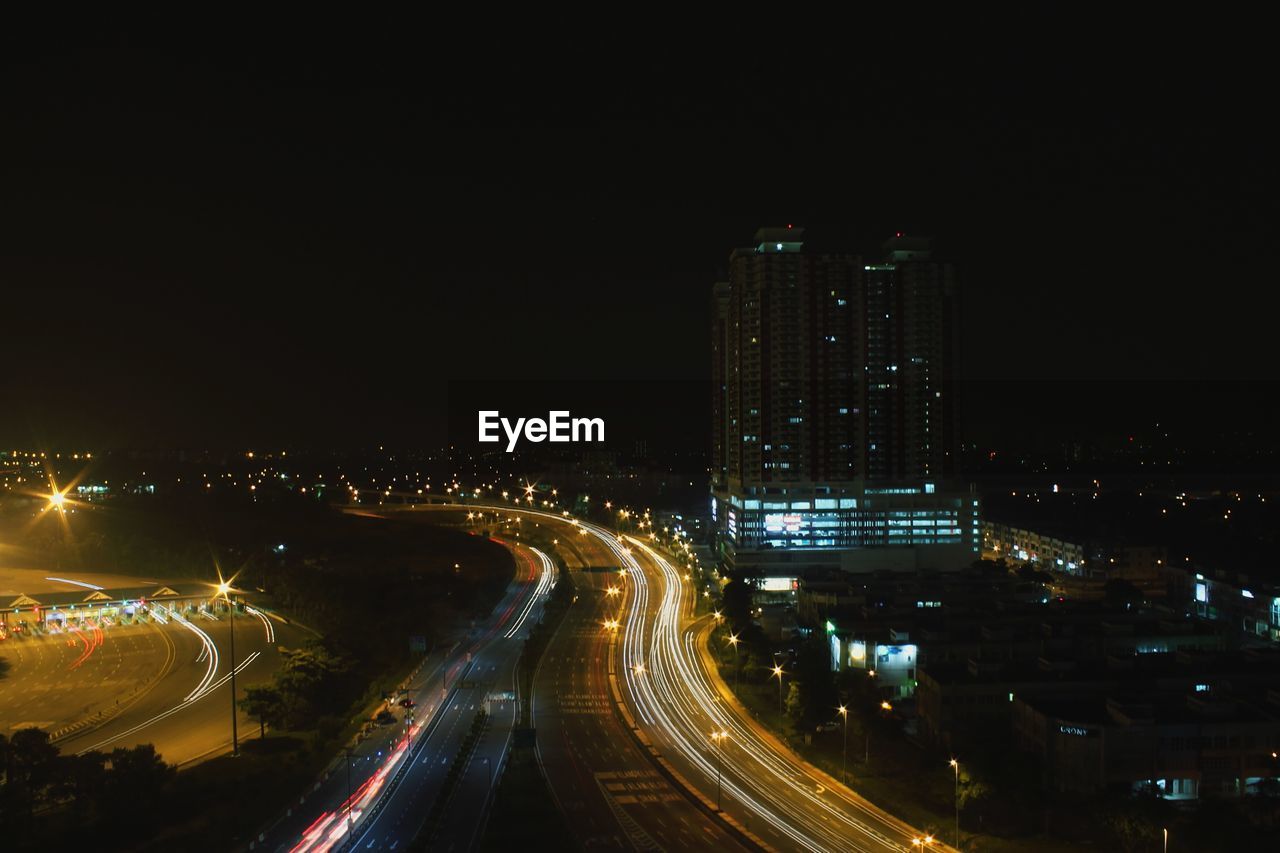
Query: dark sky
(298,240)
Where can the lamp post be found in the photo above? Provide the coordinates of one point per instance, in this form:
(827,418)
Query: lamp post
(733,641)
(777,670)
(844,755)
(350,825)
(716,738)
(224,589)
(956,764)
(922,842)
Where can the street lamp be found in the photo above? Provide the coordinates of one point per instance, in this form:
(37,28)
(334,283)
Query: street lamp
(717,738)
(777,671)
(956,765)
(224,590)
(733,641)
(922,842)
(844,756)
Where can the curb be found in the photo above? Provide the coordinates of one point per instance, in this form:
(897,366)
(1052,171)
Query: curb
(740,832)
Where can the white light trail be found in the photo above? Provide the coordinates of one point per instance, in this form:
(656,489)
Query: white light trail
(544,586)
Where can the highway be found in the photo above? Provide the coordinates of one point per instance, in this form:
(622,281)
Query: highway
(611,794)
(678,704)
(393,793)
(57,680)
(186,712)
(771,798)
(164,682)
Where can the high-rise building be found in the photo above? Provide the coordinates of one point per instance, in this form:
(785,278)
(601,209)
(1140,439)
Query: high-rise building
(834,412)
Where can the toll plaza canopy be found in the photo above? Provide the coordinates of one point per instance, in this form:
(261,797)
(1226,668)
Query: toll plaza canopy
(90,601)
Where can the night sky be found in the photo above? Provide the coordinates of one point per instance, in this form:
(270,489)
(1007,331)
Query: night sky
(299,241)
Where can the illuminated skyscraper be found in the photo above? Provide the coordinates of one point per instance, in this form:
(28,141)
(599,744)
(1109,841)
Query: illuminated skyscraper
(835,408)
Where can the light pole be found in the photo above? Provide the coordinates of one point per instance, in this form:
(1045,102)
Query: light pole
(347,752)
(956,765)
(777,670)
(733,641)
(716,738)
(224,589)
(922,842)
(844,755)
(1166,839)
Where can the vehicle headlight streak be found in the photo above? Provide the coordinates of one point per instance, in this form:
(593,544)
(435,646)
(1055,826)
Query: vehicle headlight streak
(544,586)
(673,694)
(685,700)
(208,683)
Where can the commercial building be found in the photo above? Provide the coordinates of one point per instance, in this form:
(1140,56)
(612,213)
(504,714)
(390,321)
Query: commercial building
(834,427)
(1248,606)
(1180,745)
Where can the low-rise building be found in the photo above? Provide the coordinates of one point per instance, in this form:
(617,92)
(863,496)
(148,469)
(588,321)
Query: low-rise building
(1180,745)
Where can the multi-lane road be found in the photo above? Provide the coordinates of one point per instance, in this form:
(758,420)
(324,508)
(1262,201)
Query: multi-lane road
(165,681)
(395,789)
(611,794)
(186,712)
(786,802)
(672,701)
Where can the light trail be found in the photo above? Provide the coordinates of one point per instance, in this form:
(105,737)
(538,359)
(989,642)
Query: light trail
(673,696)
(208,683)
(266,622)
(365,799)
(689,705)
(544,586)
(76,583)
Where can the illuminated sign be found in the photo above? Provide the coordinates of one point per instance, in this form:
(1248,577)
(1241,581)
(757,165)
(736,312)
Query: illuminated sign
(1202,592)
(777,584)
(793,522)
(1077,731)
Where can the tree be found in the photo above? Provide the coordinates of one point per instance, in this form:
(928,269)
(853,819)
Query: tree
(265,703)
(31,767)
(795,703)
(137,777)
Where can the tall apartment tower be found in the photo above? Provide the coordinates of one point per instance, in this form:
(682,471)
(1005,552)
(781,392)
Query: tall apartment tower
(834,410)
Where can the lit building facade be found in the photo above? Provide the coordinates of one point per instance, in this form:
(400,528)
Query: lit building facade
(834,428)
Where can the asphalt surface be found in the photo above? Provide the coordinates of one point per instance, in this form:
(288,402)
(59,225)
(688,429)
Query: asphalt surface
(678,703)
(163,682)
(396,783)
(55,680)
(610,791)
(611,794)
(186,711)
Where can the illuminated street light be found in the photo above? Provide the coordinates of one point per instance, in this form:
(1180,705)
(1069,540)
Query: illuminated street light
(922,842)
(717,738)
(733,641)
(844,756)
(777,671)
(956,764)
(224,591)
